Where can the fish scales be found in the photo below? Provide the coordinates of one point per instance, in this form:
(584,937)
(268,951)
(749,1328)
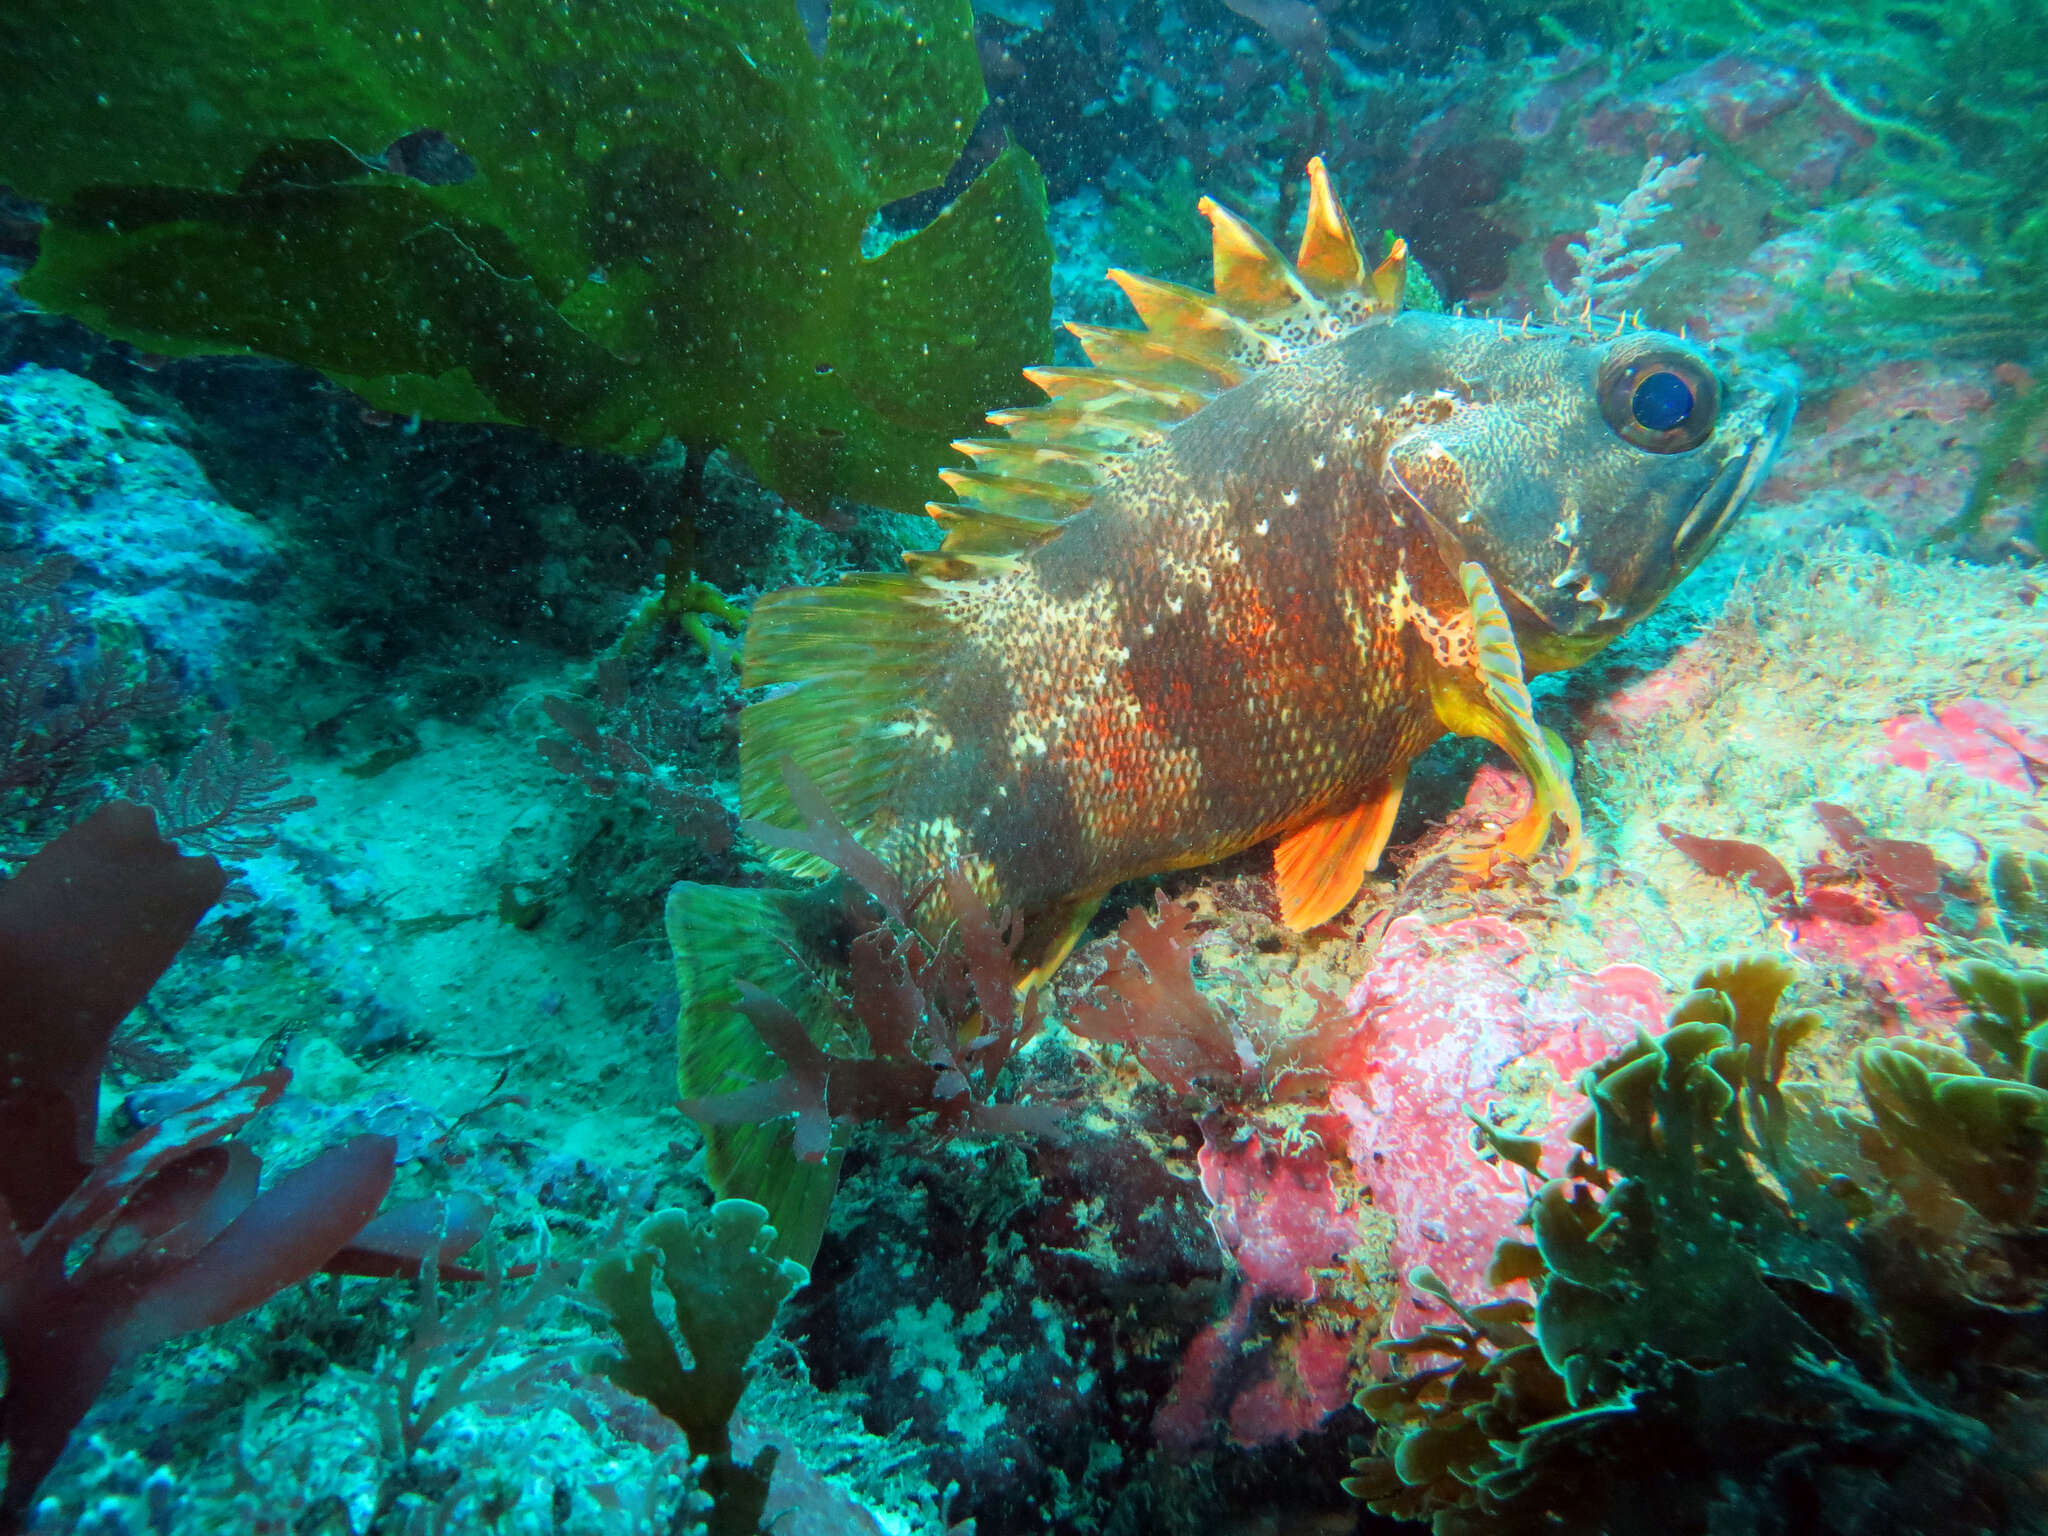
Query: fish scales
(1219,649)
(1233,577)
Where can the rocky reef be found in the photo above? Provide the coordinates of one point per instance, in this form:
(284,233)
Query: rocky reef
(400,410)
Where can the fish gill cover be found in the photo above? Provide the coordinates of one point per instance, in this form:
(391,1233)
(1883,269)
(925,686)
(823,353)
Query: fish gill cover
(613,222)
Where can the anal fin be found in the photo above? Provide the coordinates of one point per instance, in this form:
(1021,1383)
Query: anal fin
(1321,866)
(1052,937)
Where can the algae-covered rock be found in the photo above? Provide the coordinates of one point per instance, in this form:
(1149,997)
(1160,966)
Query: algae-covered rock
(613,222)
(156,546)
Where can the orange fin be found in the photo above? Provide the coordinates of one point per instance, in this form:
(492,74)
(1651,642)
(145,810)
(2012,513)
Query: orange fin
(1390,278)
(1321,866)
(1499,710)
(1249,272)
(1329,261)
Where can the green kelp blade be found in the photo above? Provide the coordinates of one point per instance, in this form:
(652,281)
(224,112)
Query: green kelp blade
(372,282)
(721,936)
(661,229)
(949,344)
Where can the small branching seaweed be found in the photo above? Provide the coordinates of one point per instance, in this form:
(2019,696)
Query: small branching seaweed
(69,702)
(1146,1001)
(632,744)
(1609,262)
(938,1027)
(441,1367)
(222,801)
(724,1288)
(801,1016)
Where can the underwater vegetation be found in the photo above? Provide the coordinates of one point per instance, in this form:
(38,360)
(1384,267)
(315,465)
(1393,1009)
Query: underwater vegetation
(1953,96)
(1751,1310)
(103,1256)
(65,703)
(921,1200)
(1938,238)
(644,220)
(724,1290)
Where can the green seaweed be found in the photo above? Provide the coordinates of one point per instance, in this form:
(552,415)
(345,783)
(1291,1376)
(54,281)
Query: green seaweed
(725,1287)
(1741,1320)
(2004,443)
(664,234)
(1953,93)
(1153,227)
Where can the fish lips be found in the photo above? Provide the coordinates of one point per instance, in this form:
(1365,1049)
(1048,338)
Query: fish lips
(1732,488)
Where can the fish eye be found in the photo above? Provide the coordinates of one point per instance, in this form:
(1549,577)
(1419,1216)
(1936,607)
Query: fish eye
(1661,399)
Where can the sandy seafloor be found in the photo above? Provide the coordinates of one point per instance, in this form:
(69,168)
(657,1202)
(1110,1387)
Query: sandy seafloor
(468,943)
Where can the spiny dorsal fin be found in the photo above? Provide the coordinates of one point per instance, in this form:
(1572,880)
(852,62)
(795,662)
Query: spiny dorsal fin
(868,641)
(1193,347)
(1161,355)
(1250,273)
(1390,279)
(1329,261)
(1190,315)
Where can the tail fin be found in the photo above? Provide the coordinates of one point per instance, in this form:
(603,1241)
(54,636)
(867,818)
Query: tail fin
(721,937)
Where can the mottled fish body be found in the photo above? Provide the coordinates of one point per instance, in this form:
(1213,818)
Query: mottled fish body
(1238,574)
(1223,587)
(1239,635)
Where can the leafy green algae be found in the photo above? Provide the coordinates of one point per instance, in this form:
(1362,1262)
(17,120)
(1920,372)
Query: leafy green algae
(663,235)
(1750,1311)
(725,1288)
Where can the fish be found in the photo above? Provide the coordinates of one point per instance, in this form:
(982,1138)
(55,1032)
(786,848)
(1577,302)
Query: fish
(1226,583)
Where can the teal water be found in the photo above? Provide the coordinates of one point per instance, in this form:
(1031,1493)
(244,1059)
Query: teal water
(404,413)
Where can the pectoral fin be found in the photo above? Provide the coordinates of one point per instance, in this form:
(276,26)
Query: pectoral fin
(1494,703)
(1321,866)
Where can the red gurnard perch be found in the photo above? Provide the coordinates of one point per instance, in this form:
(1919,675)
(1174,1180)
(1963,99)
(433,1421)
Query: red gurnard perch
(1224,586)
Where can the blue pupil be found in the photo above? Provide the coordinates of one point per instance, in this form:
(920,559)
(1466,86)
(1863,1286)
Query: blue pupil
(1661,401)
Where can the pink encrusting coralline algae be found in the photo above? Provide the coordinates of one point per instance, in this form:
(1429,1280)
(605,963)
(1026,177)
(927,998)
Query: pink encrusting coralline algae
(1464,1016)
(1973,738)
(1278,1214)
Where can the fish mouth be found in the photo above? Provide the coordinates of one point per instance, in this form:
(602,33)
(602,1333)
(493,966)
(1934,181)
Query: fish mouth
(1730,490)
(1716,504)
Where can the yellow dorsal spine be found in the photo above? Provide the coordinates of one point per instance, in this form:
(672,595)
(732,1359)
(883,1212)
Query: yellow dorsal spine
(1329,261)
(1192,347)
